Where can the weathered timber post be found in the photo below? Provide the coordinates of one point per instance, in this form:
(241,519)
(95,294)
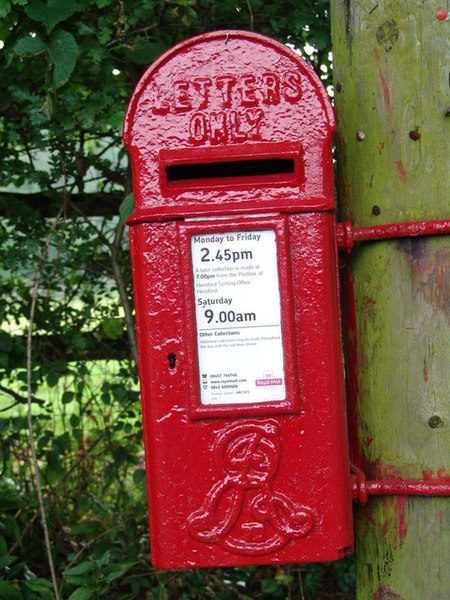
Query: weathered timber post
(392,101)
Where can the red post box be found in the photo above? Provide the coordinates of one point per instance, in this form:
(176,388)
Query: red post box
(235,281)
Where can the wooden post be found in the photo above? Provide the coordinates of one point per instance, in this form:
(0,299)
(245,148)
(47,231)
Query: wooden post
(393,108)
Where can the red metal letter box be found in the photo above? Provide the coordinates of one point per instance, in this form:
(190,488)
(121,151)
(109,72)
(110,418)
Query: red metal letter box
(235,282)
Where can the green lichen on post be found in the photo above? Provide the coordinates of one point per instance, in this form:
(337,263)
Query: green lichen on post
(392,81)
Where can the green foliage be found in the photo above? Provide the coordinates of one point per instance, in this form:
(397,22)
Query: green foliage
(68,69)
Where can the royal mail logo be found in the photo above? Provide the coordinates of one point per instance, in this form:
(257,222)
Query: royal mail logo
(269,381)
(244,512)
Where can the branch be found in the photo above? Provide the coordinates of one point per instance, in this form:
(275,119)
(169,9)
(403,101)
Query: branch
(114,250)
(251,17)
(118,276)
(18,398)
(37,477)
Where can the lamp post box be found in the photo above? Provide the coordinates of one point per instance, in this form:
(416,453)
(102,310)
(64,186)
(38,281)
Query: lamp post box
(235,282)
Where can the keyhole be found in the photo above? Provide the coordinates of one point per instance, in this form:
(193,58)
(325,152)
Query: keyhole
(172,360)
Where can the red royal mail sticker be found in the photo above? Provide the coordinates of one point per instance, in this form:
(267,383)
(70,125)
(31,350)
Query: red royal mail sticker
(271,381)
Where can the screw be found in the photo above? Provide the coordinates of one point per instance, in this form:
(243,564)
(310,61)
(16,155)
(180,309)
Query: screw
(172,358)
(360,136)
(414,135)
(435,421)
(376,210)
(441,14)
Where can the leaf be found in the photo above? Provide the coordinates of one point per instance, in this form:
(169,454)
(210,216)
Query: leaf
(117,571)
(9,498)
(5,561)
(74,420)
(138,476)
(29,46)
(10,528)
(38,585)
(9,592)
(113,328)
(126,206)
(50,13)
(81,569)
(145,52)
(87,528)
(63,53)
(5,342)
(5,7)
(67,397)
(82,593)
(48,107)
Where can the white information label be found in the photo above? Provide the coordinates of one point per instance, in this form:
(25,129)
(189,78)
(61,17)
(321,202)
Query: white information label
(238,314)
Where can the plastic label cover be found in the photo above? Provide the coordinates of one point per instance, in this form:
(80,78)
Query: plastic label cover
(238,316)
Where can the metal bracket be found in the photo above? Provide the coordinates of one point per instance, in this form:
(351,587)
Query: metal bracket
(363,488)
(347,235)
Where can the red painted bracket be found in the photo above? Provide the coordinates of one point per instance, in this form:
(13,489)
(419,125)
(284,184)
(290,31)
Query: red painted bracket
(347,235)
(363,488)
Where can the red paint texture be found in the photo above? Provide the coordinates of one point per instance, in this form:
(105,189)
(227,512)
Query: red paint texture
(238,483)
(431,270)
(402,171)
(443,475)
(386,527)
(357,455)
(384,85)
(347,236)
(399,523)
(387,480)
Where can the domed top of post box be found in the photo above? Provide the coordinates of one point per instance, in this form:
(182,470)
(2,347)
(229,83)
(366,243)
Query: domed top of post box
(229,122)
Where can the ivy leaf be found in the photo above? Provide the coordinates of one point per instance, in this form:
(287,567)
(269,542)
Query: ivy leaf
(29,46)
(50,13)
(63,52)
